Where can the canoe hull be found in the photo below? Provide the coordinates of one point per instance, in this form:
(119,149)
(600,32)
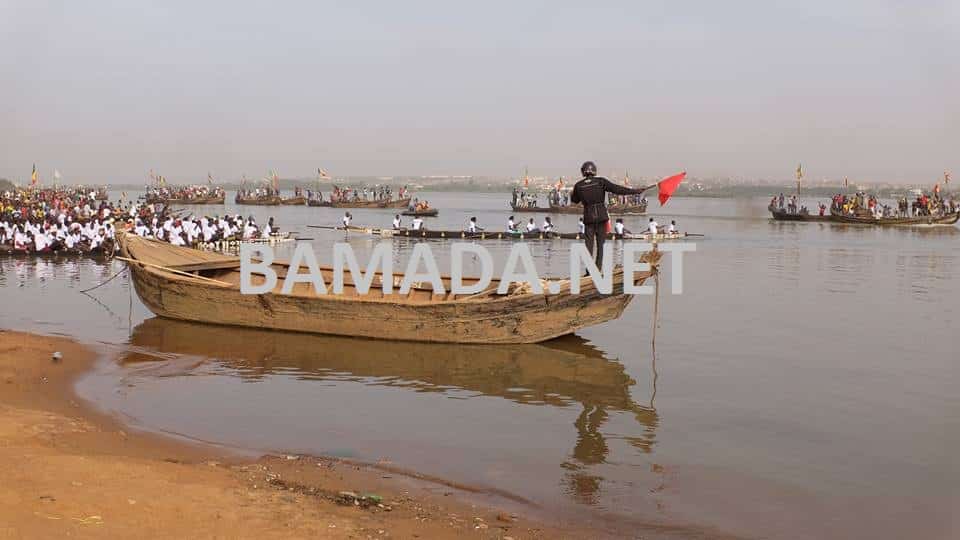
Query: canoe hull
(783,215)
(258,201)
(519,317)
(398,203)
(422,213)
(948,219)
(576,209)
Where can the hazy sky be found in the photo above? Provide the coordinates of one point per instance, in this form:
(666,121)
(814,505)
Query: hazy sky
(103,91)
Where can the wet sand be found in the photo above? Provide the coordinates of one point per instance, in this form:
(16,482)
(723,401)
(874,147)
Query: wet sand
(70,471)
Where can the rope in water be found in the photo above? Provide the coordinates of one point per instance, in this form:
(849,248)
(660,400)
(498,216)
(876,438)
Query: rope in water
(656,304)
(122,270)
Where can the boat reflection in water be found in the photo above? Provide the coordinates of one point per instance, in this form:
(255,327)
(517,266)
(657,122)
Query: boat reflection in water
(562,373)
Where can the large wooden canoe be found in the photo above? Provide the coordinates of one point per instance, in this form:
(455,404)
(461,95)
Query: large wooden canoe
(269,200)
(946,219)
(429,212)
(393,203)
(189,201)
(504,235)
(212,295)
(613,209)
(783,215)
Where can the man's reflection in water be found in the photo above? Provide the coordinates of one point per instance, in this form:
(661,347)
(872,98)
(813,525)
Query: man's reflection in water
(591,447)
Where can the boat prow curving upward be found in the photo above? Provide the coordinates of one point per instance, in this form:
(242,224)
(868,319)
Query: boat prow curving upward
(186,284)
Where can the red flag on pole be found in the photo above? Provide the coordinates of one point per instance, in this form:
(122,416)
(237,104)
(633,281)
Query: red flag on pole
(668,185)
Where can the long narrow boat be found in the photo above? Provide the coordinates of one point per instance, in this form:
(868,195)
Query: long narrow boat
(188,201)
(429,212)
(613,209)
(946,219)
(269,200)
(191,285)
(393,203)
(783,215)
(233,244)
(97,253)
(505,235)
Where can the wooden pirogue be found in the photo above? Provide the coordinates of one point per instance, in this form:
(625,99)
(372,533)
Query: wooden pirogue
(944,219)
(191,285)
(266,200)
(429,212)
(504,235)
(783,215)
(612,209)
(392,203)
(188,200)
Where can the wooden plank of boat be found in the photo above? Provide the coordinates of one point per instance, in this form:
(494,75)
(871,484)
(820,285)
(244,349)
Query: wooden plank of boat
(294,201)
(946,219)
(519,316)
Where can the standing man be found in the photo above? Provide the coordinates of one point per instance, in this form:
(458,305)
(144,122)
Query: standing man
(591,192)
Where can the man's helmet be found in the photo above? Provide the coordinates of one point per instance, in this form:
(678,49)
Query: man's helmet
(588,169)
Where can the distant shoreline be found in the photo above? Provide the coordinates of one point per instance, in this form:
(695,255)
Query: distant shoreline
(693,189)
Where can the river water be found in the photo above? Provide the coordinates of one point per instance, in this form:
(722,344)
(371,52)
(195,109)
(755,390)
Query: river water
(802,386)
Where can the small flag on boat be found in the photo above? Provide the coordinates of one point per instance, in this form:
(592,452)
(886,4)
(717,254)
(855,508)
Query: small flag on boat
(209,178)
(560,184)
(846,182)
(799,172)
(526,178)
(668,185)
(33,176)
(322,173)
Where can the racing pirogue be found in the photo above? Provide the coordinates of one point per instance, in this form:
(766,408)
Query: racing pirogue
(191,285)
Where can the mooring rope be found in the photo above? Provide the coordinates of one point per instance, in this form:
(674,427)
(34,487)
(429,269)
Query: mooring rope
(122,270)
(656,304)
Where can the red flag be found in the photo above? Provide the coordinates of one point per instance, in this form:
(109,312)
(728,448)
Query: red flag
(668,185)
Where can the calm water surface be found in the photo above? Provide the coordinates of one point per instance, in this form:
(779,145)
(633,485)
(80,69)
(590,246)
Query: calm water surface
(803,386)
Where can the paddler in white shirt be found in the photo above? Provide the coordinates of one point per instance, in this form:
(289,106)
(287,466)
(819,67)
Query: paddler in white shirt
(652,227)
(672,228)
(417,223)
(347,218)
(396,222)
(472,227)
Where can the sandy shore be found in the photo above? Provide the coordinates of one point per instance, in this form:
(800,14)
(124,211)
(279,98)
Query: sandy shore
(70,471)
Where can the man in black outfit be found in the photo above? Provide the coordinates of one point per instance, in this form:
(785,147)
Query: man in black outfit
(592,192)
